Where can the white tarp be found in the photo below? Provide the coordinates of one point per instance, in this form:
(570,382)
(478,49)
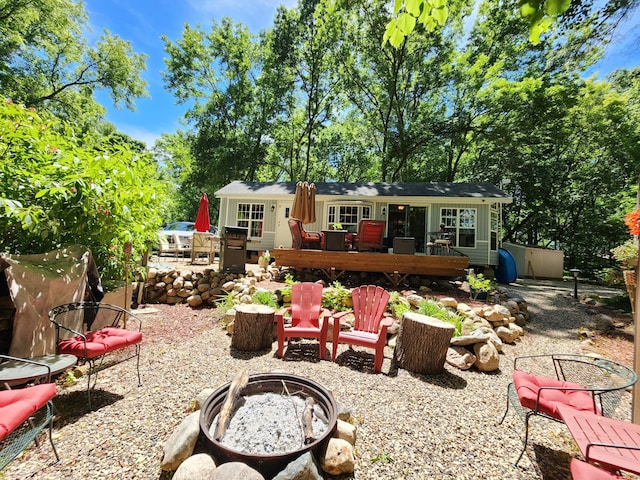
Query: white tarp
(37,283)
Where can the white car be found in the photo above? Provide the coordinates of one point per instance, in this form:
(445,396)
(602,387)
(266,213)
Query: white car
(178,237)
(179,232)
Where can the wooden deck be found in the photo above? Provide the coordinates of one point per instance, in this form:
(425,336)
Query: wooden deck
(395,267)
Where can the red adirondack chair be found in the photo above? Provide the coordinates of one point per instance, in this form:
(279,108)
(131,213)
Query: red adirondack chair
(306,309)
(370,328)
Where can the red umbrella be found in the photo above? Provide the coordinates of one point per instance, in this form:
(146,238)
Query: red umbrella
(202,220)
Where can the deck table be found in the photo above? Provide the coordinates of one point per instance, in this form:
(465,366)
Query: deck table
(14,373)
(604,440)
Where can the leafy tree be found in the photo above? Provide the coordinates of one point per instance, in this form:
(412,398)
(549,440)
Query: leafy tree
(433,13)
(46,62)
(221,73)
(55,192)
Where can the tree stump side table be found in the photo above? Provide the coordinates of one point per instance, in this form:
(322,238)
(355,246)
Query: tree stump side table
(422,343)
(253,327)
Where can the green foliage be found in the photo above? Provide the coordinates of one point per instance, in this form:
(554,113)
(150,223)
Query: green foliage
(336,297)
(226,302)
(479,284)
(626,253)
(541,14)
(47,62)
(55,192)
(398,305)
(288,281)
(432,309)
(265,297)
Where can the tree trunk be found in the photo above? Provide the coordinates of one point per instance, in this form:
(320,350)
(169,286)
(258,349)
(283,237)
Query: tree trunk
(422,343)
(253,327)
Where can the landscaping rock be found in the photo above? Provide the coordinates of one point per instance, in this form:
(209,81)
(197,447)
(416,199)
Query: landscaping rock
(302,468)
(236,471)
(460,358)
(338,458)
(346,431)
(181,443)
(487,357)
(196,467)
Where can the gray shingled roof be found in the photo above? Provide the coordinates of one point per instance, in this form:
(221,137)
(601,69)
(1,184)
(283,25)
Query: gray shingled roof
(368,189)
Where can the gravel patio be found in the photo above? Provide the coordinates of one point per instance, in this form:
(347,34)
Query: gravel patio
(409,426)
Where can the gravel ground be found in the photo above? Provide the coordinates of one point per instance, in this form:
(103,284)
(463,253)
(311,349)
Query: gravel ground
(409,426)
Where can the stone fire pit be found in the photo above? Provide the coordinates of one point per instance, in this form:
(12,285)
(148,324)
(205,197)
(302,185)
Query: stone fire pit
(271,459)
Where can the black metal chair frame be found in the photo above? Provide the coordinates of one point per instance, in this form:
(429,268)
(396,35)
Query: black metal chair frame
(120,316)
(12,445)
(605,380)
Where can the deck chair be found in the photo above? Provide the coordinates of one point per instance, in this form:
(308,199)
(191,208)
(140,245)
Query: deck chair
(303,239)
(91,330)
(203,242)
(582,382)
(370,235)
(24,413)
(306,310)
(370,328)
(166,245)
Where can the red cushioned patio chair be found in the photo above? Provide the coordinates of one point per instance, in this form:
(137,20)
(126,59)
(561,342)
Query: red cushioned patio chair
(305,310)
(543,382)
(302,238)
(370,328)
(24,413)
(91,346)
(370,235)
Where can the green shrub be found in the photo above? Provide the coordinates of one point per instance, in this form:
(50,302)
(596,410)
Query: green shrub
(336,297)
(432,309)
(265,297)
(398,305)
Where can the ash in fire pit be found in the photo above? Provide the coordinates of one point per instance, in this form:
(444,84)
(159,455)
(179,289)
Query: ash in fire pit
(269,423)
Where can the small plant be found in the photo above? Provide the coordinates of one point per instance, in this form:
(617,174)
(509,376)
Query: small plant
(336,297)
(479,284)
(432,309)
(627,254)
(265,257)
(265,297)
(337,226)
(288,282)
(382,457)
(398,305)
(226,302)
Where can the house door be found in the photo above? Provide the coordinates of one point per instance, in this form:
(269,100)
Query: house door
(418,226)
(282,233)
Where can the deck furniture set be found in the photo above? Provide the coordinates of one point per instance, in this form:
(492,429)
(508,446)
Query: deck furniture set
(86,332)
(583,392)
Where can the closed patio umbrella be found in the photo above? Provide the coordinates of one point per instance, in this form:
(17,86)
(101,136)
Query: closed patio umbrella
(304,202)
(202,219)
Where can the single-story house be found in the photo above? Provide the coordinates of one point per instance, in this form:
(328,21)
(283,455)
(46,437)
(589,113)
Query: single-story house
(470,212)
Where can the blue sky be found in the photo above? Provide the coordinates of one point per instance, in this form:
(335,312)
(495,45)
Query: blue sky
(142,22)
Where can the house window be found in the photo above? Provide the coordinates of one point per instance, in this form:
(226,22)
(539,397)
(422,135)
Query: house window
(494,227)
(251,216)
(348,216)
(461,222)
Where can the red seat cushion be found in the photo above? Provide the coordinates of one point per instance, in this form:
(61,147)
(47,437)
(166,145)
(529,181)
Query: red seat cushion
(528,386)
(100,342)
(18,405)
(585,471)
